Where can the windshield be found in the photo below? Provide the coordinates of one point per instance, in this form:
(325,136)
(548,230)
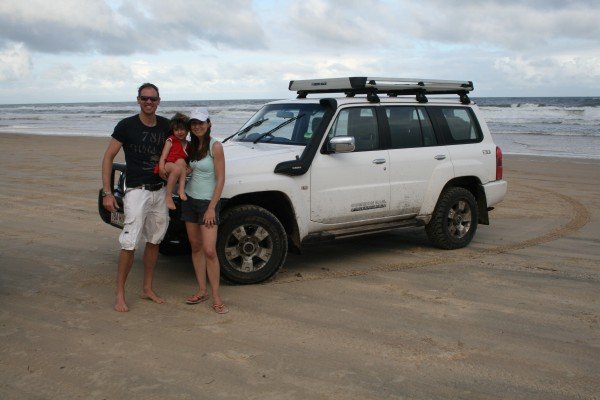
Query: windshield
(282,124)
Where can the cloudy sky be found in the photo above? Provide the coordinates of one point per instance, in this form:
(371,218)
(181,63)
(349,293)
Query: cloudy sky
(102,50)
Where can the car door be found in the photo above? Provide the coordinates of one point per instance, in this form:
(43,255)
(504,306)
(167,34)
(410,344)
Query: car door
(417,163)
(354,186)
(470,153)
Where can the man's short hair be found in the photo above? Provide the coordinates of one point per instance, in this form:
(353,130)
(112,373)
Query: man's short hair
(147,85)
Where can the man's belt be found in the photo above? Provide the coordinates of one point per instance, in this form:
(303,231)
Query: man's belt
(151,187)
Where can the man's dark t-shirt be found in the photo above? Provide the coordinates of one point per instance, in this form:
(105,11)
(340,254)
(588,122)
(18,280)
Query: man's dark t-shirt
(142,146)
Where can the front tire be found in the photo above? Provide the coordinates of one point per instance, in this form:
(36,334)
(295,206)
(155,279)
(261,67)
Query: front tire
(175,242)
(251,245)
(454,220)
(174,248)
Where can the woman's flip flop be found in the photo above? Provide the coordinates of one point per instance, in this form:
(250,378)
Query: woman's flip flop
(220,308)
(195,299)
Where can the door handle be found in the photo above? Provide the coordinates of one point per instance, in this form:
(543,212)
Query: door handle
(440,157)
(379,161)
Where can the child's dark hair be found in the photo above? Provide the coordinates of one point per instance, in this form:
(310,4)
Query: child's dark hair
(179,121)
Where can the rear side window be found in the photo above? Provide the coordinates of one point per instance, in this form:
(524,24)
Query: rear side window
(462,127)
(409,127)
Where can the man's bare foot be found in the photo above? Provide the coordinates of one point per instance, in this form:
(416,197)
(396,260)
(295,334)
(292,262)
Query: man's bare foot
(182,195)
(150,295)
(170,203)
(120,305)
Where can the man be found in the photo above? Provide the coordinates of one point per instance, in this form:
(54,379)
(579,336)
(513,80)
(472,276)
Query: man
(142,137)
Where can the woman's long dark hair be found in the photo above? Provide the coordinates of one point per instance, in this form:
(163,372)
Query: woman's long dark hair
(197,151)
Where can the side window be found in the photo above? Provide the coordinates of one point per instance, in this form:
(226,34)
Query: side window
(360,122)
(313,125)
(405,129)
(461,125)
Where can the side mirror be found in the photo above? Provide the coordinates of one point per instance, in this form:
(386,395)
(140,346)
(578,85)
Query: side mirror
(341,144)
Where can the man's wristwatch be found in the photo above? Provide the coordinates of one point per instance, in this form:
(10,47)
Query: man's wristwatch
(104,194)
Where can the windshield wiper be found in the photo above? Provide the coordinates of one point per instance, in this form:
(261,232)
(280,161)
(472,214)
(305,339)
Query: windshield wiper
(281,125)
(246,129)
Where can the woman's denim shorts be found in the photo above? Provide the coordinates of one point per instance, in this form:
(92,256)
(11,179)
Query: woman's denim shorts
(192,210)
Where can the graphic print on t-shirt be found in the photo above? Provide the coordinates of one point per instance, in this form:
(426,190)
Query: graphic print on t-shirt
(146,149)
(142,146)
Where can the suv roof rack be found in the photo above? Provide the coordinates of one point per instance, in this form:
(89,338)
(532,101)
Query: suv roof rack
(391,86)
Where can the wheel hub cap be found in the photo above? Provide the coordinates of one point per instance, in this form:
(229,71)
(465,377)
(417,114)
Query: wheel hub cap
(249,248)
(459,219)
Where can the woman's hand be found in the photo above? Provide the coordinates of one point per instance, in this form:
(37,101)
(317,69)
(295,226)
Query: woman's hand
(209,218)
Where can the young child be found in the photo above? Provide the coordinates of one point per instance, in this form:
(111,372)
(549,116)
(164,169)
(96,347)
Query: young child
(174,158)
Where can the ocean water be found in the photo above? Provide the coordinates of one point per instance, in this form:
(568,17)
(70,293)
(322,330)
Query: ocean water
(545,126)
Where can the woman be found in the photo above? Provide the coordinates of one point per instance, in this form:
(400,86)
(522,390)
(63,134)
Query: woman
(201,210)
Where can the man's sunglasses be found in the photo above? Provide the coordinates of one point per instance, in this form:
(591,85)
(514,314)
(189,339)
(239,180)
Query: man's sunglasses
(151,98)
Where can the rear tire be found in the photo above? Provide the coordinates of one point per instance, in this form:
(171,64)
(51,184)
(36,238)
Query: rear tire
(251,245)
(454,220)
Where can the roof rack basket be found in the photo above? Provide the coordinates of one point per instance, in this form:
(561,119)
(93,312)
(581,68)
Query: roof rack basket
(393,87)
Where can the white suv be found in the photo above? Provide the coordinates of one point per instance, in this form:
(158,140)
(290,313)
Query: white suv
(381,156)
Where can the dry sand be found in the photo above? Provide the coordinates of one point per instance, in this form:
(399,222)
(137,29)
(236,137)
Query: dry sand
(513,316)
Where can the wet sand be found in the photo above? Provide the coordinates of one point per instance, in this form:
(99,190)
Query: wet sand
(515,315)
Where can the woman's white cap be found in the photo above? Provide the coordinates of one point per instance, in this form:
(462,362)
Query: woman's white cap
(200,113)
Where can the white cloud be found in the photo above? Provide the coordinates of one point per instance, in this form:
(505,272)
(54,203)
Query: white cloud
(231,23)
(550,71)
(15,63)
(515,25)
(93,26)
(59,72)
(351,24)
(63,26)
(89,14)
(211,49)
(520,70)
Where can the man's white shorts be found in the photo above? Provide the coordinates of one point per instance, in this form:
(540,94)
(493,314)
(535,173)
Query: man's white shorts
(146,217)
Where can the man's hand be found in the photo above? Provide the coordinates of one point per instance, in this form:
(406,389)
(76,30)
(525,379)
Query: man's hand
(162,172)
(110,203)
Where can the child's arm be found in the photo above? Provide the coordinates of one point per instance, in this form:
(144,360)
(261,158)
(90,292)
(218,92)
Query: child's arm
(163,157)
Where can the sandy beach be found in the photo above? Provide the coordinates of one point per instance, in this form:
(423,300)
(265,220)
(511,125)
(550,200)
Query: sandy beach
(516,315)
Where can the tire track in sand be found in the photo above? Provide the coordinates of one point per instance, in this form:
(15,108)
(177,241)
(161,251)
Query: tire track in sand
(580,216)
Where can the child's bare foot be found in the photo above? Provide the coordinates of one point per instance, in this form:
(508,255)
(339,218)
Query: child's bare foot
(182,195)
(150,295)
(170,203)
(120,304)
